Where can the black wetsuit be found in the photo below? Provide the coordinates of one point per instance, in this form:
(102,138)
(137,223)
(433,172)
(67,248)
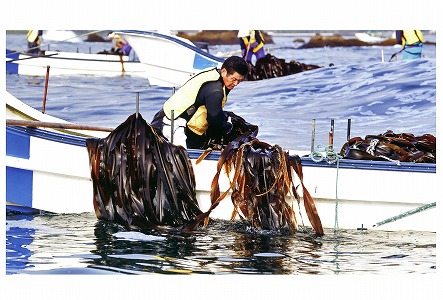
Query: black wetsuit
(211,96)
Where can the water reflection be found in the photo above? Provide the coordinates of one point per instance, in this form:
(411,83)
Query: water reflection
(18,236)
(81,244)
(224,247)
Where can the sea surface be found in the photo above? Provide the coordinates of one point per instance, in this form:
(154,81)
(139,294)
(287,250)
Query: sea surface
(356,83)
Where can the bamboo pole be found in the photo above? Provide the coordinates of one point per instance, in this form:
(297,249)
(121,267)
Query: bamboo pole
(313,135)
(12,122)
(46,89)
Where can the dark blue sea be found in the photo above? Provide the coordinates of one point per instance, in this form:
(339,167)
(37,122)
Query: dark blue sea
(356,83)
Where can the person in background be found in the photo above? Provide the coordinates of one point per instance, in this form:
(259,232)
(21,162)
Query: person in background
(119,45)
(34,40)
(251,43)
(197,107)
(412,42)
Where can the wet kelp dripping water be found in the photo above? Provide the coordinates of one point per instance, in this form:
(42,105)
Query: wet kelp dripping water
(142,181)
(261,180)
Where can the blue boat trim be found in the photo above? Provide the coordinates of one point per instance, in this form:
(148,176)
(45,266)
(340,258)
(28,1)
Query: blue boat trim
(48,135)
(306,161)
(19,184)
(17,144)
(345,163)
(11,67)
(201,63)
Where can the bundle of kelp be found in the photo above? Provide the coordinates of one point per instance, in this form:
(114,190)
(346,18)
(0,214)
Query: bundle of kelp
(261,181)
(271,67)
(402,147)
(140,180)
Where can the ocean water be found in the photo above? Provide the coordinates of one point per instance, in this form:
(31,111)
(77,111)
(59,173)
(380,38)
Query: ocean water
(377,96)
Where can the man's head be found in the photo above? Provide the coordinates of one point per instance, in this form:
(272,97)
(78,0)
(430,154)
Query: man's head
(233,71)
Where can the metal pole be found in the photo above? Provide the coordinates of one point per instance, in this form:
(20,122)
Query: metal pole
(348,134)
(137,105)
(172,119)
(331,136)
(172,126)
(46,89)
(313,135)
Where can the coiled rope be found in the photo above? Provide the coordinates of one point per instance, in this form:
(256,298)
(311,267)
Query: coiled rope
(328,154)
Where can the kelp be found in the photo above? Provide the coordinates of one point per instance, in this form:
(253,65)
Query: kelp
(271,66)
(261,181)
(390,146)
(140,180)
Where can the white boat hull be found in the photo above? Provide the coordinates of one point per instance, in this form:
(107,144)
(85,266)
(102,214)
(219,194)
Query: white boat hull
(49,171)
(365,37)
(70,63)
(165,60)
(171,60)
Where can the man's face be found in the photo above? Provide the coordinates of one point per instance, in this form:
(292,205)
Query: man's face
(231,80)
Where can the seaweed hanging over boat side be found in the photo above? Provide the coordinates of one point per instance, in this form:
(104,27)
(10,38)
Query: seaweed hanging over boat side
(261,180)
(140,180)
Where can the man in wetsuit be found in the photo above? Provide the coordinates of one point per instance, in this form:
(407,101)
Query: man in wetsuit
(197,107)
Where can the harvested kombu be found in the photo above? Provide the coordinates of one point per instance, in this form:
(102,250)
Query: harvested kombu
(140,180)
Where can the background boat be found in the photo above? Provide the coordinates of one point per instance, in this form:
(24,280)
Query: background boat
(61,35)
(171,60)
(71,63)
(373,38)
(164,59)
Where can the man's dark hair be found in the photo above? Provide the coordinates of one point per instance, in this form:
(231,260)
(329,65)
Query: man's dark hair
(235,64)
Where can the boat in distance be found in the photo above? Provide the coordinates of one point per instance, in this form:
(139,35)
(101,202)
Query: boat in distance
(164,59)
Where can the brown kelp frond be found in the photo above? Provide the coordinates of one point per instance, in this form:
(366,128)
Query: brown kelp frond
(309,204)
(140,180)
(203,155)
(261,181)
(260,178)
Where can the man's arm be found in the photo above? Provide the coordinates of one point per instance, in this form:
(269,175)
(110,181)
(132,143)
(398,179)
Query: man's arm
(217,120)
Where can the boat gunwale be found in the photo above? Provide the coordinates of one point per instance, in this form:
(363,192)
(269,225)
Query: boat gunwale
(306,161)
(59,55)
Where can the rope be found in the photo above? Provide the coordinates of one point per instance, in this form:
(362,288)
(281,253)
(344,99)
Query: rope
(371,150)
(406,214)
(331,157)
